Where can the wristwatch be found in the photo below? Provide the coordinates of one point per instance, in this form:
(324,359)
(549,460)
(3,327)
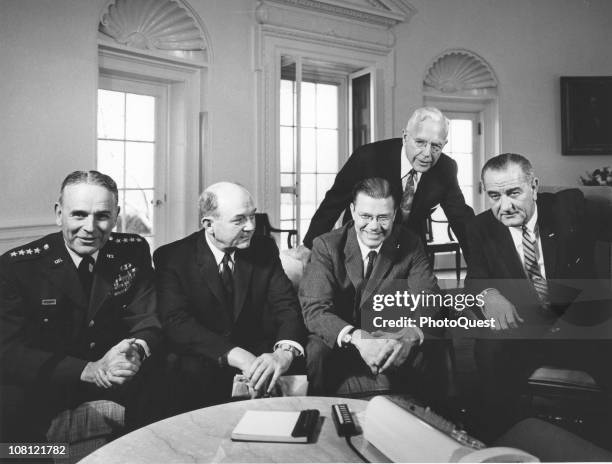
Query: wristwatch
(290,348)
(347,337)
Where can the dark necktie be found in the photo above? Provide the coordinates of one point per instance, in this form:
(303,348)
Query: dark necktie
(227,278)
(408,195)
(85,271)
(370,265)
(533,269)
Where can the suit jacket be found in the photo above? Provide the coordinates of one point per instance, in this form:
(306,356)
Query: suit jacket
(383,159)
(196,317)
(48,329)
(332,289)
(567,246)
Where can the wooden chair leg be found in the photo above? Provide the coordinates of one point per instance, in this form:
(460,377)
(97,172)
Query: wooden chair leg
(458,265)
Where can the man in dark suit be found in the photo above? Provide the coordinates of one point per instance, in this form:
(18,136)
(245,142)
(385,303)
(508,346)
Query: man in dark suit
(530,251)
(421,177)
(227,306)
(369,255)
(77,309)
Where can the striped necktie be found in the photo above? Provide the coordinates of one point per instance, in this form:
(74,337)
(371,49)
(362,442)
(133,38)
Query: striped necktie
(533,269)
(408,195)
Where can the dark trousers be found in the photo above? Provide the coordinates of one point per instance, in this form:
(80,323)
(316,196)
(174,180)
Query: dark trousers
(424,374)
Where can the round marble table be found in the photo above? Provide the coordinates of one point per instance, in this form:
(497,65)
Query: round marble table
(203,436)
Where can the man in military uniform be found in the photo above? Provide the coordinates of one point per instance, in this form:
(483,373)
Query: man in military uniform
(77,309)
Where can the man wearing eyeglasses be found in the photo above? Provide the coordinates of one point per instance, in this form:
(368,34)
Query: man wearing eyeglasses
(421,177)
(366,256)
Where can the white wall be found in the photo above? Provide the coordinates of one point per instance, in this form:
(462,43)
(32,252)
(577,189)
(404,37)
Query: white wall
(529,44)
(48,58)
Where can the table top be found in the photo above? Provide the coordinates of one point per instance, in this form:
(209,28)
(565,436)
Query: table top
(203,436)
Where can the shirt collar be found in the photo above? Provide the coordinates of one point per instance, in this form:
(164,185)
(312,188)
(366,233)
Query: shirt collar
(76,258)
(406,165)
(217,253)
(365,249)
(532,223)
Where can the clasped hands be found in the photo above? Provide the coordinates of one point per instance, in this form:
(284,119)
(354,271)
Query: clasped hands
(262,371)
(382,350)
(119,365)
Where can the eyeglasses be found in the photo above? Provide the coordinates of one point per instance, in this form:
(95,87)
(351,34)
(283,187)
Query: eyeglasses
(382,220)
(436,147)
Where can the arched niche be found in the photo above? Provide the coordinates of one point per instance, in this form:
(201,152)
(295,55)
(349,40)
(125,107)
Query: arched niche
(169,27)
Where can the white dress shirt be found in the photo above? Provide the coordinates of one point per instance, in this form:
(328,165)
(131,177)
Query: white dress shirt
(405,168)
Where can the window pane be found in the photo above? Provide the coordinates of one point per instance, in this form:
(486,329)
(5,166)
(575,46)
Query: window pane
(324,183)
(461,136)
(140,117)
(111,114)
(308,195)
(120,219)
(308,104)
(287,106)
(110,160)
(287,225)
(309,151)
(287,149)
(139,212)
(139,165)
(464,165)
(287,207)
(287,180)
(327,106)
(468,193)
(327,150)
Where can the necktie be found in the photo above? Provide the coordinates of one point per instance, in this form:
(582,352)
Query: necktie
(85,271)
(370,265)
(408,195)
(227,278)
(532,268)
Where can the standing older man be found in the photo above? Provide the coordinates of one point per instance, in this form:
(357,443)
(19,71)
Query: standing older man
(226,304)
(77,308)
(367,255)
(529,251)
(421,177)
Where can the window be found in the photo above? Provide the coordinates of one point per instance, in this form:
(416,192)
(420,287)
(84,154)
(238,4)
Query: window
(130,144)
(310,140)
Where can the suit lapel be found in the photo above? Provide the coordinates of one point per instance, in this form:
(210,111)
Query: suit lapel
(242,279)
(60,270)
(208,268)
(353,261)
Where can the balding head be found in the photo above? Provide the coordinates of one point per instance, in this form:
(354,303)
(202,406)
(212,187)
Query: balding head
(227,213)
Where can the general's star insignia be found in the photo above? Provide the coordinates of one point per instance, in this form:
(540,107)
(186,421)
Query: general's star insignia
(21,252)
(29,251)
(37,250)
(13,254)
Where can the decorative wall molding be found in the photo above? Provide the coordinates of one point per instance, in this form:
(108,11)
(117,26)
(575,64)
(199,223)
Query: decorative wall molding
(353,24)
(381,12)
(167,26)
(459,71)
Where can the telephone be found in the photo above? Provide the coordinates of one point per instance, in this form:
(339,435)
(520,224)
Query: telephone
(417,434)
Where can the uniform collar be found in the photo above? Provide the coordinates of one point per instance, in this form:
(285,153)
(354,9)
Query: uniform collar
(76,258)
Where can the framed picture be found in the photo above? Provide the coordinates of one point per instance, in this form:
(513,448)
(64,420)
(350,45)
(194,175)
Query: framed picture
(586,115)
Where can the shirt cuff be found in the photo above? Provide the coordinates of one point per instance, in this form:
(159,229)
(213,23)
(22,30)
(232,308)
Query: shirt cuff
(145,347)
(295,345)
(342,333)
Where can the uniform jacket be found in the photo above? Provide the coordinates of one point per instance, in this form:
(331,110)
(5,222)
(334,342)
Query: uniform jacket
(196,317)
(567,246)
(383,159)
(48,330)
(332,288)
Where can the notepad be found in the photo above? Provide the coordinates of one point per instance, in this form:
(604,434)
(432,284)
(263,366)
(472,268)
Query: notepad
(276,426)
